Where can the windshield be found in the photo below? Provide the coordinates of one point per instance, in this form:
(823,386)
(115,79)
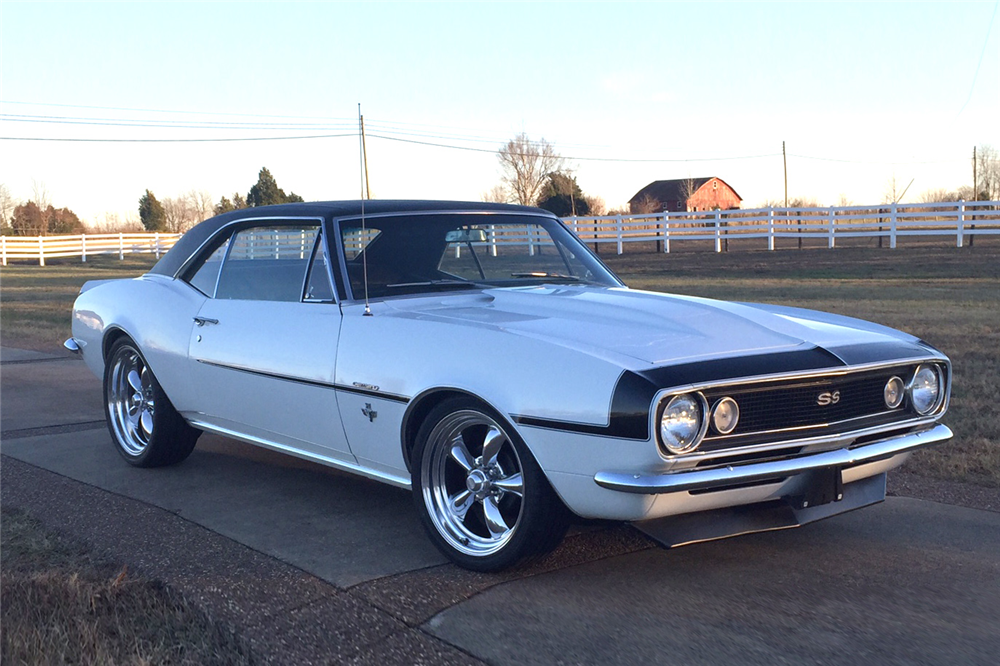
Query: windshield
(410,253)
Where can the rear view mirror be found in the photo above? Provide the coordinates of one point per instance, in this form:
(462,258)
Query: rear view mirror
(466,236)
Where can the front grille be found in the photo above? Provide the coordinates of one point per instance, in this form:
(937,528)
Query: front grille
(784,409)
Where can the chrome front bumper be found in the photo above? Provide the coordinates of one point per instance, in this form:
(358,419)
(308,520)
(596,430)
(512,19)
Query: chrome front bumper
(720,477)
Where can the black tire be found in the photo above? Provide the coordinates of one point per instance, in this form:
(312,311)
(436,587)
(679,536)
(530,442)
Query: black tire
(482,498)
(145,427)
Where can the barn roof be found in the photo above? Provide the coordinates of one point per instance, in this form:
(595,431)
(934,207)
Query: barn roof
(673,190)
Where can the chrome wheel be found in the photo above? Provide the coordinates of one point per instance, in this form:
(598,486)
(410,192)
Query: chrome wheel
(472,484)
(131,400)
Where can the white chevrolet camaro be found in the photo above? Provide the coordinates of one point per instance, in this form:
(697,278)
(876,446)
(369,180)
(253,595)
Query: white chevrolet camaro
(482,356)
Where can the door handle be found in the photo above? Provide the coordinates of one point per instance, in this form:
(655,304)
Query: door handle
(201,321)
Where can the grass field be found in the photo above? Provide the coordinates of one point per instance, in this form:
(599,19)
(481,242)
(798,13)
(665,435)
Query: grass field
(60,605)
(947,296)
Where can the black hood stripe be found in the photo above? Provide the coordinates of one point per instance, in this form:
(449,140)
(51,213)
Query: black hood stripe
(634,393)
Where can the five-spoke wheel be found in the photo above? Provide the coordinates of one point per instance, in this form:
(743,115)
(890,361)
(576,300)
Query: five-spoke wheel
(485,502)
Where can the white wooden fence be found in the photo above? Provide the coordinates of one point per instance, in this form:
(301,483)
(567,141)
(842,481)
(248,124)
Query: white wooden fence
(961,220)
(41,248)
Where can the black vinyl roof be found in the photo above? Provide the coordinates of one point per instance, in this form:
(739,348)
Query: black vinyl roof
(189,243)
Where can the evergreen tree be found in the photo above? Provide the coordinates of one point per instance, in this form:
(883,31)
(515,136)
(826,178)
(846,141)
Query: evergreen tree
(266,192)
(563,196)
(151,212)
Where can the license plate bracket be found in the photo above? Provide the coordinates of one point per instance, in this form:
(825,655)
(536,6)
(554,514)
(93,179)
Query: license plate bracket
(819,487)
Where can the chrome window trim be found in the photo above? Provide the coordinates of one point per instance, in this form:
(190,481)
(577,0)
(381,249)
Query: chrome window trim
(224,229)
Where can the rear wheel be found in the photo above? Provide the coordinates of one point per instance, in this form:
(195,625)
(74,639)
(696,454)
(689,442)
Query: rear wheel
(483,499)
(146,429)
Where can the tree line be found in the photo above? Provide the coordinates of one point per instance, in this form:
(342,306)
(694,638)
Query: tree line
(532,173)
(176,217)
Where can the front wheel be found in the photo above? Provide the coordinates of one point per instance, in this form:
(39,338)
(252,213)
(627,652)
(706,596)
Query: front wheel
(483,499)
(146,429)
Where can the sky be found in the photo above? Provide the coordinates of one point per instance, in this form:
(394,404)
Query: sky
(629,93)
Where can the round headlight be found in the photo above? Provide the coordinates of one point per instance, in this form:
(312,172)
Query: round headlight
(725,415)
(893,393)
(925,389)
(682,424)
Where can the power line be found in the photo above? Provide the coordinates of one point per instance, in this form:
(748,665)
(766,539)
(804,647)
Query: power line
(212,140)
(877,162)
(174,111)
(975,76)
(581,159)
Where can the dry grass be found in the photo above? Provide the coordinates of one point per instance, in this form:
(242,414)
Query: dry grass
(60,606)
(36,301)
(947,296)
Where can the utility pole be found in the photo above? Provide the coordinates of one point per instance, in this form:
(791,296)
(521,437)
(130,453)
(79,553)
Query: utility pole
(784,159)
(975,193)
(975,179)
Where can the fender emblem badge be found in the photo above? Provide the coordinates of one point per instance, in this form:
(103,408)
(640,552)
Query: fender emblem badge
(369,412)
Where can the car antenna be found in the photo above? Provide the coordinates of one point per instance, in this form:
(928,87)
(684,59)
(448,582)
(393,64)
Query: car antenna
(364,193)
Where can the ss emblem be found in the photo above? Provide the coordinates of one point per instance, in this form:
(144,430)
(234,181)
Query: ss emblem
(828,398)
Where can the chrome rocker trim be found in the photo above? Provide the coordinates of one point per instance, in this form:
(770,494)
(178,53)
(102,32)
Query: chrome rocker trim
(706,479)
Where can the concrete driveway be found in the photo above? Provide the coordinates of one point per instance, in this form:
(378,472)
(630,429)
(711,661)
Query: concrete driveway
(317,566)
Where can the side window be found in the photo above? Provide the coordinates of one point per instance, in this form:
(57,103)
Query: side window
(206,277)
(318,287)
(267,263)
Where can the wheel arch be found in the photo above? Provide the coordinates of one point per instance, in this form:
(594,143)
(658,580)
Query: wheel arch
(422,404)
(112,335)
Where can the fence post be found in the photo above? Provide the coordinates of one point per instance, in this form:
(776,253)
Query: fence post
(718,235)
(618,222)
(121,246)
(3,249)
(830,243)
(770,227)
(156,248)
(83,248)
(960,226)
(666,232)
(892,226)
(493,240)
(41,251)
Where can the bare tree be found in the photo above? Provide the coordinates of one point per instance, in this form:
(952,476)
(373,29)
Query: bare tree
(496,194)
(202,205)
(892,190)
(7,205)
(526,165)
(180,213)
(596,204)
(40,195)
(647,204)
(987,169)
(938,195)
(688,187)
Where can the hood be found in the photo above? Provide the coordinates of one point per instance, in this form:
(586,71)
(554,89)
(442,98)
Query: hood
(658,329)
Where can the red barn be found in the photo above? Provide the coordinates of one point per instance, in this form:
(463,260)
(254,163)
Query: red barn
(685,194)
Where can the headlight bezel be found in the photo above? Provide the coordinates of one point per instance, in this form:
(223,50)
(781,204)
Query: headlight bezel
(941,391)
(704,417)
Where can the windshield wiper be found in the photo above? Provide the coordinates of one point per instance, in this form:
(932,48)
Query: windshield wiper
(435,283)
(548,276)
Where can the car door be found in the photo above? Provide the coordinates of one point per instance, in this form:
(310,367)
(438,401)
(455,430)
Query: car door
(263,349)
